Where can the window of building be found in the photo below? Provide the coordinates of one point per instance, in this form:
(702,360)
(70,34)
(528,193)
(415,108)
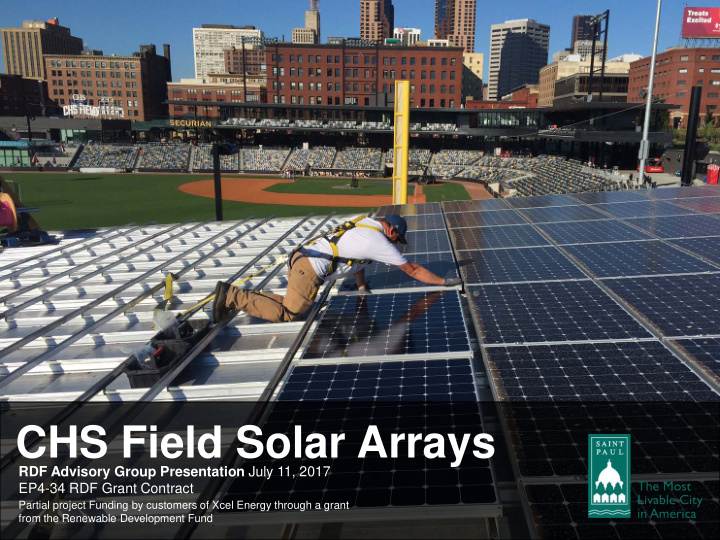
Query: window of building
(392,74)
(337,87)
(432,75)
(684,58)
(432,61)
(432,88)
(412,73)
(423,89)
(423,61)
(355,73)
(681,83)
(329,87)
(292,71)
(684,70)
(452,89)
(432,102)
(452,61)
(452,75)
(412,88)
(444,61)
(711,94)
(714,83)
(452,103)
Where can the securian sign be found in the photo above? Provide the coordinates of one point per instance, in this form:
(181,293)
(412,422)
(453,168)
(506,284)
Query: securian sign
(191,123)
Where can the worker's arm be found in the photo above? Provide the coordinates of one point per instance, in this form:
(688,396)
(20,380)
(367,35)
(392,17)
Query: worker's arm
(360,280)
(421,273)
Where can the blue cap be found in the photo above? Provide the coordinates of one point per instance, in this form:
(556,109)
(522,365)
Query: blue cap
(400,224)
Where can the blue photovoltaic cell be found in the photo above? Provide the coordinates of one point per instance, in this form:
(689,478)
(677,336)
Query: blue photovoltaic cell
(497,237)
(625,371)
(684,192)
(431,241)
(679,226)
(643,209)
(475,206)
(706,351)
(416,380)
(527,264)
(382,276)
(678,305)
(484,219)
(541,201)
(609,197)
(707,247)
(592,232)
(425,222)
(545,312)
(637,259)
(707,205)
(409,209)
(390,324)
(560,511)
(561,213)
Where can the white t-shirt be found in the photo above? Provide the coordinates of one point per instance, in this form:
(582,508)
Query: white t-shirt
(358,243)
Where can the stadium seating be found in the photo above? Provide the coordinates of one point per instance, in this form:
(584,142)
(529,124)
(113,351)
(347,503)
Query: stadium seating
(457,157)
(358,159)
(203,160)
(105,156)
(320,156)
(268,160)
(171,157)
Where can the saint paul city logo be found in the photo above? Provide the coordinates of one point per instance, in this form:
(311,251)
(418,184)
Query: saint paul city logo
(609,476)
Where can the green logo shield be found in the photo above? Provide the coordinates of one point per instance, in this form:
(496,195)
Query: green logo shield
(609,476)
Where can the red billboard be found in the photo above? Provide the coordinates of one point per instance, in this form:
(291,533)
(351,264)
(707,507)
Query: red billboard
(701,22)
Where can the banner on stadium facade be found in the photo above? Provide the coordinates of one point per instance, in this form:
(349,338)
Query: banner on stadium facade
(701,22)
(79,107)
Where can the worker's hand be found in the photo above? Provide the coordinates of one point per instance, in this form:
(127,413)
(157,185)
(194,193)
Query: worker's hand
(452,282)
(365,290)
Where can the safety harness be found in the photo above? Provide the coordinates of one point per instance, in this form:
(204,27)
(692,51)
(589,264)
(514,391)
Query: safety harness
(333,237)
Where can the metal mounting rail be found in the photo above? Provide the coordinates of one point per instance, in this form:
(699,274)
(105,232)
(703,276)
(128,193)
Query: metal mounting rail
(213,486)
(138,406)
(72,248)
(74,269)
(12,456)
(81,311)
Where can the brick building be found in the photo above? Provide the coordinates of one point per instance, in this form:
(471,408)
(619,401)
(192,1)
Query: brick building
(23,48)
(254,62)
(137,84)
(677,70)
(20,96)
(219,88)
(360,73)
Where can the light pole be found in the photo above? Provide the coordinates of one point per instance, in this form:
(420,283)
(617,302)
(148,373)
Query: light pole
(220,149)
(645,143)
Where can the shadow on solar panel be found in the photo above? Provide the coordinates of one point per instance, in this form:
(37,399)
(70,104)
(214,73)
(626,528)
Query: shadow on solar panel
(385,277)
(391,324)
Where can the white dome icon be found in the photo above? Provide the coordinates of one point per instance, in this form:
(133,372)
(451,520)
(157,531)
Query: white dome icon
(609,476)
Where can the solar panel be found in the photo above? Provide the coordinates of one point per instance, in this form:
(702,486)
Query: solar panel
(425,222)
(637,259)
(409,209)
(592,232)
(706,247)
(561,213)
(706,351)
(549,312)
(383,325)
(560,511)
(483,219)
(636,371)
(382,276)
(408,480)
(416,380)
(550,438)
(677,305)
(643,209)
(684,192)
(430,241)
(475,206)
(506,265)
(497,237)
(541,201)
(707,205)
(679,226)
(609,197)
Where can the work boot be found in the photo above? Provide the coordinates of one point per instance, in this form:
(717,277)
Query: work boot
(220,311)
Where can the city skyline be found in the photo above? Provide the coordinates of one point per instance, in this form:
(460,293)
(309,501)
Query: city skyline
(161,24)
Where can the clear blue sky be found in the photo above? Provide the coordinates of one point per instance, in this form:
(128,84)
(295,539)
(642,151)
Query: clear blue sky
(119,28)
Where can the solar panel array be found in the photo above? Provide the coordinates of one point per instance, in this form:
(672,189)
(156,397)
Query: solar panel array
(598,313)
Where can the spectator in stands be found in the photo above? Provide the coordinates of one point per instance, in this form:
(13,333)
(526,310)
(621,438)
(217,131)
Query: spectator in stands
(342,252)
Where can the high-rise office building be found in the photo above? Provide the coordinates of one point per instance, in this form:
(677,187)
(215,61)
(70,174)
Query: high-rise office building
(23,48)
(377,19)
(310,33)
(455,21)
(582,29)
(518,50)
(210,42)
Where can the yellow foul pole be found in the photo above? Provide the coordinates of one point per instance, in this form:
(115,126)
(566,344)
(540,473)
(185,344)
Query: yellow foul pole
(401,142)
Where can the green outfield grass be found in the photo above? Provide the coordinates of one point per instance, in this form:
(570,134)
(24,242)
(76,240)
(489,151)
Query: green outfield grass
(78,201)
(315,186)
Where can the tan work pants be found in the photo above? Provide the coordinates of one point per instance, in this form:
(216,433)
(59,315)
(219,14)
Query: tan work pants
(303,286)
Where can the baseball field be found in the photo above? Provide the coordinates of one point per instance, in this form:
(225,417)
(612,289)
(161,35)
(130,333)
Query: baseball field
(78,201)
